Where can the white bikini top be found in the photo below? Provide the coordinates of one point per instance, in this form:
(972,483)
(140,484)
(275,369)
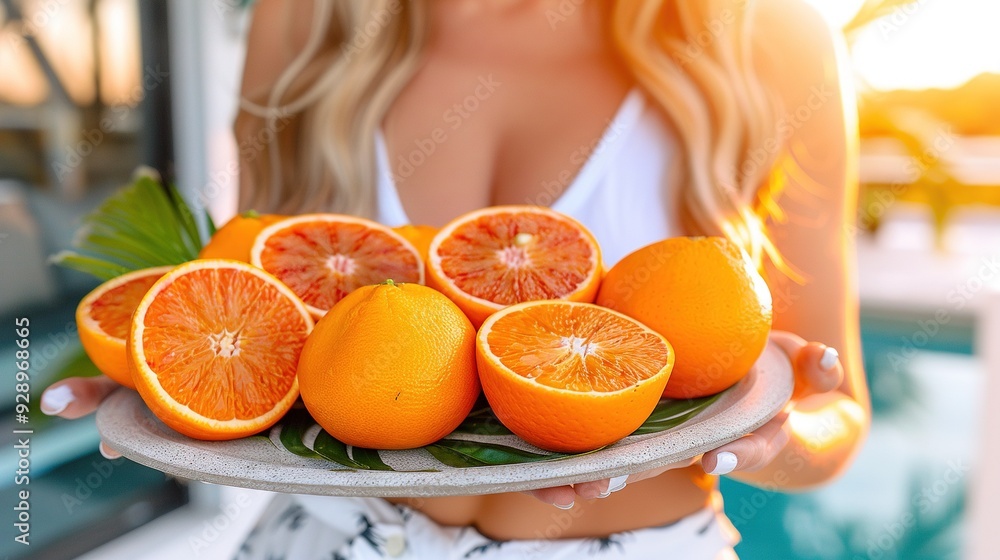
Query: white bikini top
(619,193)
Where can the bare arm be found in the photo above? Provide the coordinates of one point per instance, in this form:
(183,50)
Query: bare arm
(803,62)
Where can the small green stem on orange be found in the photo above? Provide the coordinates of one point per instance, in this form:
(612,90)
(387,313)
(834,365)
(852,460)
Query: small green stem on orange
(251,214)
(389,282)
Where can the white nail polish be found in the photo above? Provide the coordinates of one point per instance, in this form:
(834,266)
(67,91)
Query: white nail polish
(725,463)
(106,452)
(56,400)
(617,483)
(568,506)
(829,359)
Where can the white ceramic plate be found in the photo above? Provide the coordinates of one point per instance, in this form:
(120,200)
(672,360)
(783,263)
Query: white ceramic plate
(127,425)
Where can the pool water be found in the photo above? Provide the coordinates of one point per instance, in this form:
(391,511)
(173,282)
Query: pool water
(904,497)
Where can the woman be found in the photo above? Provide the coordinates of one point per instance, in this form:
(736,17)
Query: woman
(643,119)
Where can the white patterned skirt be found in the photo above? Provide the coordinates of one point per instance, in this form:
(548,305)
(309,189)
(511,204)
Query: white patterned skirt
(325,528)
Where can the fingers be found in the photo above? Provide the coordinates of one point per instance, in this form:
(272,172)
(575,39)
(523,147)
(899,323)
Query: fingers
(751,452)
(108,452)
(76,396)
(817,366)
(563,497)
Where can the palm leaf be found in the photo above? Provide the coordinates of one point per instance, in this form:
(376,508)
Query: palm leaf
(293,429)
(143,225)
(672,413)
(334,450)
(461,453)
(369,459)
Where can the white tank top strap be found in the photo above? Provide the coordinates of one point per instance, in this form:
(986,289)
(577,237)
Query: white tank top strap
(603,155)
(390,207)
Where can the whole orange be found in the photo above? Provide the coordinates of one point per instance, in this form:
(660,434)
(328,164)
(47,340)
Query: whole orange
(235,238)
(705,296)
(390,366)
(419,235)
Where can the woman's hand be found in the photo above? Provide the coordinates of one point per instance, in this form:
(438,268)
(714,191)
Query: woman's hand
(817,369)
(76,397)
(564,497)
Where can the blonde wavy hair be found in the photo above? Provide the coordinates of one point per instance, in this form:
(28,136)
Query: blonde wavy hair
(691,57)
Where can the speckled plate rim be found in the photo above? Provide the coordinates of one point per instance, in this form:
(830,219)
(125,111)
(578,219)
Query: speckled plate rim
(127,425)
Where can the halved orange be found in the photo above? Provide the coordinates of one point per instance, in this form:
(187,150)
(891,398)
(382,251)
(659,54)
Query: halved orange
(103,319)
(214,347)
(499,256)
(568,376)
(324,257)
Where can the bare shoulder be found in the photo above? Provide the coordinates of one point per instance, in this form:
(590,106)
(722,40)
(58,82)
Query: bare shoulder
(801,59)
(796,50)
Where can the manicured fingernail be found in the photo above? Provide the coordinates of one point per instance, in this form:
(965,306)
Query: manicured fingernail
(567,506)
(617,483)
(829,359)
(56,400)
(725,463)
(107,452)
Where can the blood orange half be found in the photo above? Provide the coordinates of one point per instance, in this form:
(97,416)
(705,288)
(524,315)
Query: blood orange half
(214,347)
(568,376)
(499,256)
(103,319)
(324,257)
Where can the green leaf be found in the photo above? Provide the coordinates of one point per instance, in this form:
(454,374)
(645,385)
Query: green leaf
(369,459)
(143,225)
(210,224)
(462,454)
(99,268)
(293,428)
(482,421)
(671,413)
(334,450)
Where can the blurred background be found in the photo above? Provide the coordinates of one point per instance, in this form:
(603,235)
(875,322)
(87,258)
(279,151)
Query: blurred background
(90,89)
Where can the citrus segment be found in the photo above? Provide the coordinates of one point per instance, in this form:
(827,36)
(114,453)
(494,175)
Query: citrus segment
(103,319)
(568,376)
(500,256)
(324,257)
(214,348)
